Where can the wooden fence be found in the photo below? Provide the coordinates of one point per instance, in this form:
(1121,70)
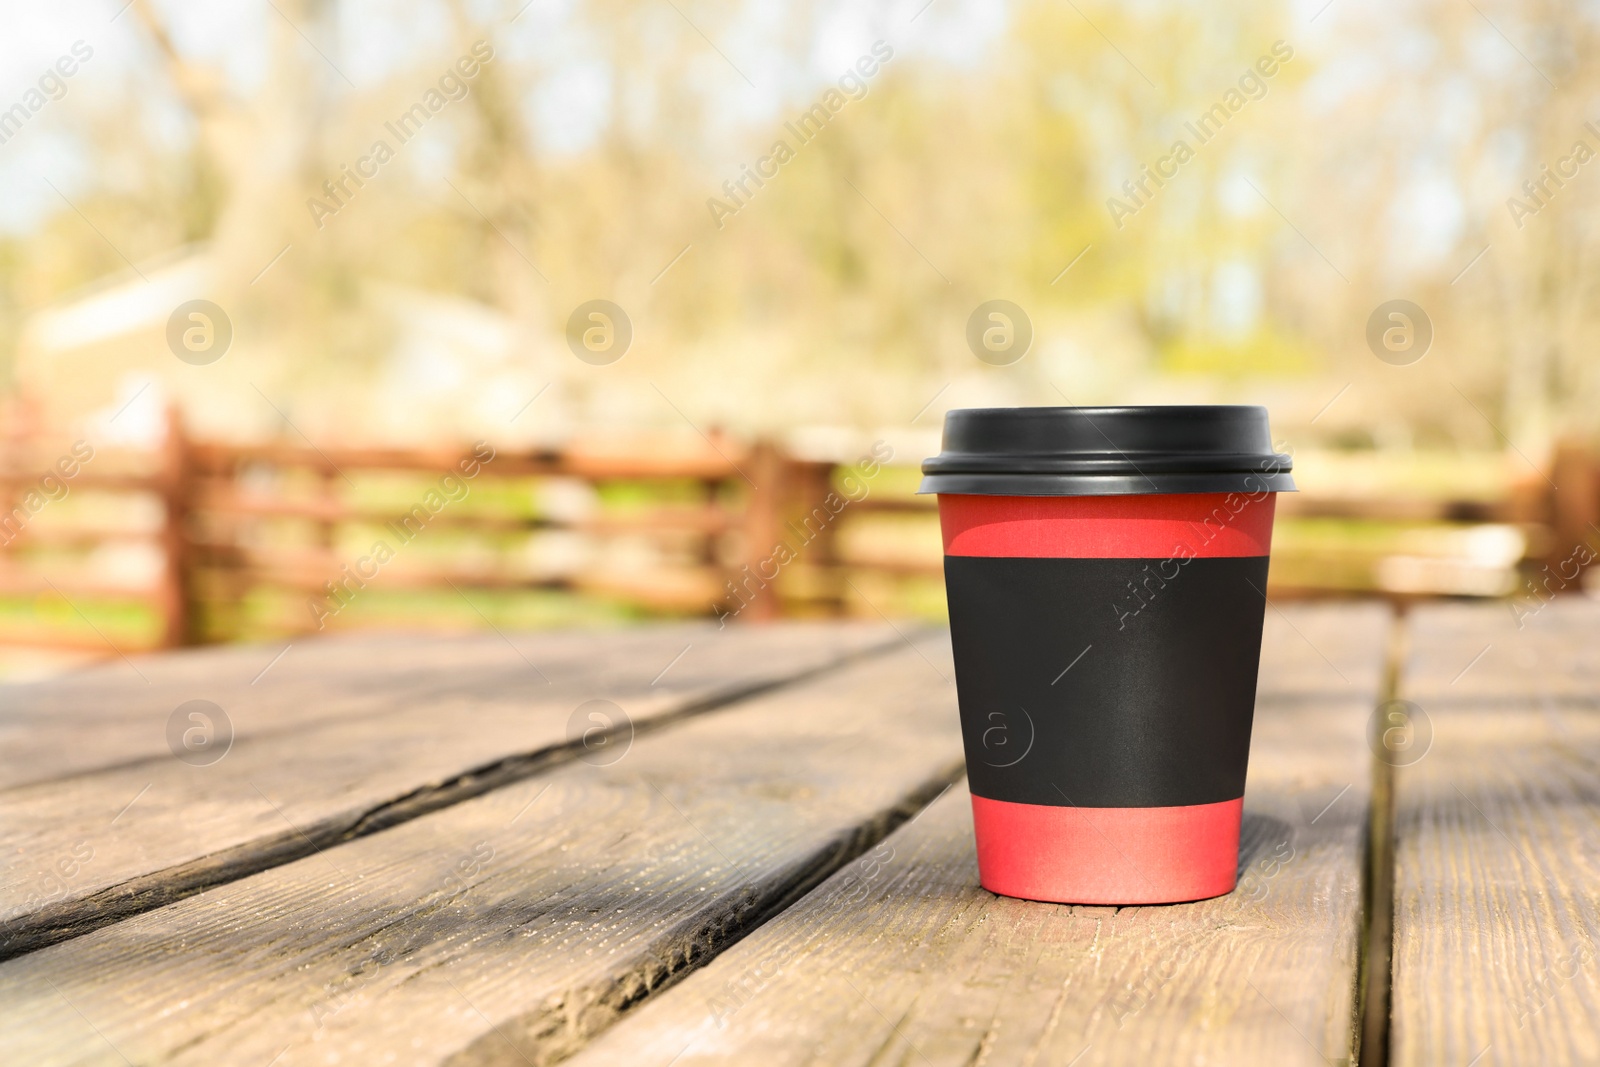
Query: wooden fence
(235,521)
(745,532)
(38,472)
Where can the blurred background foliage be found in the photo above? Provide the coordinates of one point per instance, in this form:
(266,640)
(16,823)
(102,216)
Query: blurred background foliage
(978,164)
(1381,162)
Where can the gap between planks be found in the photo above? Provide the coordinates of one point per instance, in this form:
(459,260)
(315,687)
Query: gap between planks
(611,1004)
(739,812)
(1375,979)
(1366,982)
(66,920)
(1370,1006)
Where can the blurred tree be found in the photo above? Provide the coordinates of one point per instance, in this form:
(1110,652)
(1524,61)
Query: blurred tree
(1375,162)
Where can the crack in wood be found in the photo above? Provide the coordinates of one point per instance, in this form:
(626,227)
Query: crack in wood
(1374,978)
(555,1032)
(63,921)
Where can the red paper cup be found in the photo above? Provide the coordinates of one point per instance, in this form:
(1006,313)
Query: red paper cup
(1106,572)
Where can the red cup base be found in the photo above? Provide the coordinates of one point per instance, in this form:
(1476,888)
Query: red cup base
(1068,855)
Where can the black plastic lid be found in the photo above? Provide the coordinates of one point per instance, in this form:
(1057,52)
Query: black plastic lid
(1111,451)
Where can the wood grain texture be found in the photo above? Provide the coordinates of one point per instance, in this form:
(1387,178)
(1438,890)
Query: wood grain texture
(1497,840)
(94,847)
(510,927)
(114,714)
(902,959)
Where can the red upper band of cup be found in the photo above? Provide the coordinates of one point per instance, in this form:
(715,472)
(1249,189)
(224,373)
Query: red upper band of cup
(1152,526)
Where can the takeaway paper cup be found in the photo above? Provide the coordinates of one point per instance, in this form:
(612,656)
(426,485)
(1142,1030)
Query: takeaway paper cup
(1106,570)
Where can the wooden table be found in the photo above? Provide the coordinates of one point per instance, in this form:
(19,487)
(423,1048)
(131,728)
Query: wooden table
(678,845)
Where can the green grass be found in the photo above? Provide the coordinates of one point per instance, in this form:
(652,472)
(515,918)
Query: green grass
(49,618)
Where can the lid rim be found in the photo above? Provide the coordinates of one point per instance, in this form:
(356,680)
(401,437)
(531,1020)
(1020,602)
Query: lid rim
(1136,463)
(1220,442)
(1120,484)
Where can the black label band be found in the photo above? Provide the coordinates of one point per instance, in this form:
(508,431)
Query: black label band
(1106,683)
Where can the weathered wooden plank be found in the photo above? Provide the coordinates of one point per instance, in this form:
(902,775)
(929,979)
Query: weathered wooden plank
(900,958)
(528,917)
(102,715)
(1497,840)
(1478,655)
(88,849)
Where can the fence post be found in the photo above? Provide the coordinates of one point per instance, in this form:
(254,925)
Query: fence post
(763,516)
(1574,506)
(11,441)
(177,487)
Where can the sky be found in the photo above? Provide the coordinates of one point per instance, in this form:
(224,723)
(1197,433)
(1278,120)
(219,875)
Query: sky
(746,67)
